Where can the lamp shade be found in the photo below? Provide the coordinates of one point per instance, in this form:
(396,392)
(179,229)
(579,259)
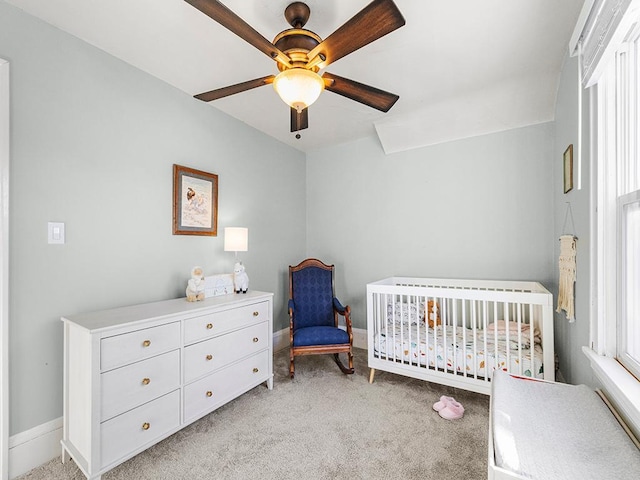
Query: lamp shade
(298,87)
(236,239)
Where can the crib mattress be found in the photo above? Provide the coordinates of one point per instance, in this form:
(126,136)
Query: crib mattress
(459,351)
(550,430)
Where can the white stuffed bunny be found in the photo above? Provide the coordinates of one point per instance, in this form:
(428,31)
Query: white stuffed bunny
(195,285)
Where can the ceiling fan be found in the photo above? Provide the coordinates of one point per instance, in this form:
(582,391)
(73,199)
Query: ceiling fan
(300,54)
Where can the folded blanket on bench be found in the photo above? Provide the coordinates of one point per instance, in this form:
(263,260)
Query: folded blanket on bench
(547,430)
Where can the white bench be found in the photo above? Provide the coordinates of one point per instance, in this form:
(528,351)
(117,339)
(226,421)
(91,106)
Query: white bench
(545,430)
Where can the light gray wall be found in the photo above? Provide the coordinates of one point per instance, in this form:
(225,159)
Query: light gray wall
(571,337)
(93,141)
(476,208)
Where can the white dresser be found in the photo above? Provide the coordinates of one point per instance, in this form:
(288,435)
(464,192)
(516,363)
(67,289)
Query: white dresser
(135,375)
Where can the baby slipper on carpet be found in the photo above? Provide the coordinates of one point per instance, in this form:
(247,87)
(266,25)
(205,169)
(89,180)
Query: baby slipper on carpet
(444,401)
(452,411)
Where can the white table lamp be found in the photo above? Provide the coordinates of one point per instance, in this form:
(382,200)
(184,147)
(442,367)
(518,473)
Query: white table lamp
(236,239)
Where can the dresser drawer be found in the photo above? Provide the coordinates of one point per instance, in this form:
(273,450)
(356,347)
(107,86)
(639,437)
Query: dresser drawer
(127,387)
(138,427)
(209,355)
(137,345)
(200,328)
(214,390)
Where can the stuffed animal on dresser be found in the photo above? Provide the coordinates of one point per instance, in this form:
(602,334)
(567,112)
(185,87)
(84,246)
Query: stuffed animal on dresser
(240,278)
(433,313)
(195,285)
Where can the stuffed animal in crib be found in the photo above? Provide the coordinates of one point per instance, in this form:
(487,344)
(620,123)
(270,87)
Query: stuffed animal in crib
(240,278)
(195,285)
(433,313)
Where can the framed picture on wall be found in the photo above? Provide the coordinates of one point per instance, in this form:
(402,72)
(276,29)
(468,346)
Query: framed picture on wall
(568,168)
(195,202)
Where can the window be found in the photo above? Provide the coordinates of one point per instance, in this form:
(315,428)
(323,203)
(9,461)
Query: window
(618,137)
(606,40)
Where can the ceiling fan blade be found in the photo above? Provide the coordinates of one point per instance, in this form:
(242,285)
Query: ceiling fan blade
(372,22)
(233,89)
(365,94)
(299,121)
(225,17)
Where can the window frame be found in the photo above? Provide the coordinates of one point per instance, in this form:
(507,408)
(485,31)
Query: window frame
(609,134)
(616,121)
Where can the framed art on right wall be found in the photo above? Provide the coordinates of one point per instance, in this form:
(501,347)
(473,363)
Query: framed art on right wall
(567,159)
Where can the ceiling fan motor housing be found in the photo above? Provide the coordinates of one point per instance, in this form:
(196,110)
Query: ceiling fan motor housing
(297,43)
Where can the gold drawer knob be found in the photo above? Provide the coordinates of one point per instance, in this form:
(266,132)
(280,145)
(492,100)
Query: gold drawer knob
(146,381)
(255,314)
(209,393)
(255,339)
(146,343)
(146,426)
(209,357)
(209,326)
(255,370)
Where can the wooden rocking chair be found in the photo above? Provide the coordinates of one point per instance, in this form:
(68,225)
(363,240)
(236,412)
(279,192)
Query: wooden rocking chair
(313,315)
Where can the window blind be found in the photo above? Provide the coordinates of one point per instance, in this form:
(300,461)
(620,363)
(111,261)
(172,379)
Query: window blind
(596,36)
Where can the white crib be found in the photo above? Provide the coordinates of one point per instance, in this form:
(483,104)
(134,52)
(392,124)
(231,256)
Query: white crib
(477,326)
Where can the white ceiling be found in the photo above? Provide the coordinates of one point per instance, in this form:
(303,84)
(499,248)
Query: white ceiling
(461,68)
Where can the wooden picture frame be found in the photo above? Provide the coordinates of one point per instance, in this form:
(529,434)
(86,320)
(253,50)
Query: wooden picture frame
(195,202)
(567,161)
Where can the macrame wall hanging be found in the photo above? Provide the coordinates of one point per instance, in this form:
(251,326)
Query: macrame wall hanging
(567,263)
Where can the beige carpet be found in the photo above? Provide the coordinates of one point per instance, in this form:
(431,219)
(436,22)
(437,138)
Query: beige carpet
(322,425)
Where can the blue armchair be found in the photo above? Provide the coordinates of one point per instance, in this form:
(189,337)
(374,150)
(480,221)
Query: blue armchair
(313,315)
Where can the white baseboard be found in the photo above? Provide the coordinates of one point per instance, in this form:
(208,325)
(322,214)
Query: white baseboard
(360,338)
(281,339)
(32,448)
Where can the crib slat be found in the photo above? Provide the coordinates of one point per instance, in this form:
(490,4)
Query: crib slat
(377,319)
(485,347)
(519,323)
(399,354)
(464,335)
(412,303)
(435,342)
(475,346)
(532,343)
(507,319)
(410,327)
(403,310)
(386,329)
(454,333)
(445,335)
(496,352)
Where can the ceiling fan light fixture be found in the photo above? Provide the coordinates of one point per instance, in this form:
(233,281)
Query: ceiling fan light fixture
(298,87)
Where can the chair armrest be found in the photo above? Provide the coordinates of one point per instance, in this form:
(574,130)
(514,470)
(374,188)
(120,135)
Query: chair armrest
(291,309)
(338,306)
(344,311)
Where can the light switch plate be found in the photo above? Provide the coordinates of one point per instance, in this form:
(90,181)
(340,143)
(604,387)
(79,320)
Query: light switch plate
(56,232)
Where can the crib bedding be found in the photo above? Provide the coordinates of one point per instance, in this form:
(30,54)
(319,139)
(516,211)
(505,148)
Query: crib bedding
(459,349)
